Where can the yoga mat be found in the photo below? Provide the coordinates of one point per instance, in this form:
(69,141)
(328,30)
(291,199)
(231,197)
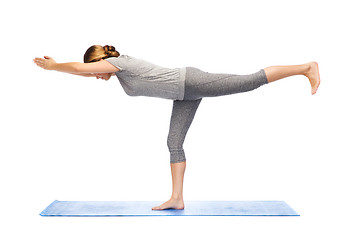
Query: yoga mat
(143,208)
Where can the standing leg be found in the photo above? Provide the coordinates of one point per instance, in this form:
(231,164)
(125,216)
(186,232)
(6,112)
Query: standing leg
(310,70)
(182,115)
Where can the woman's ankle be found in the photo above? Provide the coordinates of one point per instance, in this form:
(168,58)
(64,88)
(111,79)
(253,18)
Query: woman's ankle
(307,68)
(177,197)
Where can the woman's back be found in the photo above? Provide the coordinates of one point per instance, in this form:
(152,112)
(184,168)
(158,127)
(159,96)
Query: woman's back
(142,78)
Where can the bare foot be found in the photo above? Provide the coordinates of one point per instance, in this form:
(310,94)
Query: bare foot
(314,76)
(171,204)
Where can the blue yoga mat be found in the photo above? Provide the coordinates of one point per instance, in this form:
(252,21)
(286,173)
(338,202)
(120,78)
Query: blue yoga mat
(143,208)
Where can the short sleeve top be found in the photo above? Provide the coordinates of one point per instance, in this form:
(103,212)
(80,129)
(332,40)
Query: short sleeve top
(141,78)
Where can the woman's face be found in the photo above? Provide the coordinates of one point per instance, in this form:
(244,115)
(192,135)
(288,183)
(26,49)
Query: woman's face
(104,76)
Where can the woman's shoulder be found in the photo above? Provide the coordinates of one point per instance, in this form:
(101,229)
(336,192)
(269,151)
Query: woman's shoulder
(120,58)
(126,57)
(130,60)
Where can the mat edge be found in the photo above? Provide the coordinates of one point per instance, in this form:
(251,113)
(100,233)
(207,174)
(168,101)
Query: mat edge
(46,209)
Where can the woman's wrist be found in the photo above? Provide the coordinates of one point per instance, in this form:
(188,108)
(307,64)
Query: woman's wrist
(53,66)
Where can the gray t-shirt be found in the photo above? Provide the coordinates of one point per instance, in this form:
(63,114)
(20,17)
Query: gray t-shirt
(142,78)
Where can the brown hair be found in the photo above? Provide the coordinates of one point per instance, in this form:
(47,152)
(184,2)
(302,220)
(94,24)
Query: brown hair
(97,52)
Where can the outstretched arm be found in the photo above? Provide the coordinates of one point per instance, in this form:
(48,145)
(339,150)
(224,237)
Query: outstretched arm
(83,69)
(84,74)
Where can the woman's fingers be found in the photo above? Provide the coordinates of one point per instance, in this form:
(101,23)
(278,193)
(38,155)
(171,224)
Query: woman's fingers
(37,61)
(40,62)
(45,63)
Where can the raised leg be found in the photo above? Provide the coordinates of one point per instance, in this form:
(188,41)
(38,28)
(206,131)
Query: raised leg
(310,70)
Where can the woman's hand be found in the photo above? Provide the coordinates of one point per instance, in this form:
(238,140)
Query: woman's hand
(45,63)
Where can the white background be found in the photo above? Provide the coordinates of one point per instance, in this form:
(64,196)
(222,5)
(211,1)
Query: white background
(67,137)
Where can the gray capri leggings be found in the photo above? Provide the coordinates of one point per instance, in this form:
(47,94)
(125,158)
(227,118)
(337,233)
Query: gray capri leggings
(199,84)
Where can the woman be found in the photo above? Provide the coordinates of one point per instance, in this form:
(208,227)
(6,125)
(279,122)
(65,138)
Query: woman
(185,86)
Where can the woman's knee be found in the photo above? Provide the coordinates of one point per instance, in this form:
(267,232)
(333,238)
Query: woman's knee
(174,144)
(176,150)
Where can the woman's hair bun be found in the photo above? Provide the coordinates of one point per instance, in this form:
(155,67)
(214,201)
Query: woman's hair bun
(108,48)
(110,51)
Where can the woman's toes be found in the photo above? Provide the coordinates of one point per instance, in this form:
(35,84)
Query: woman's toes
(156,208)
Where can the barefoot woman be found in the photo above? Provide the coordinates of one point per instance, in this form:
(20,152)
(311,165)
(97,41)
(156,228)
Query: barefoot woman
(185,86)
